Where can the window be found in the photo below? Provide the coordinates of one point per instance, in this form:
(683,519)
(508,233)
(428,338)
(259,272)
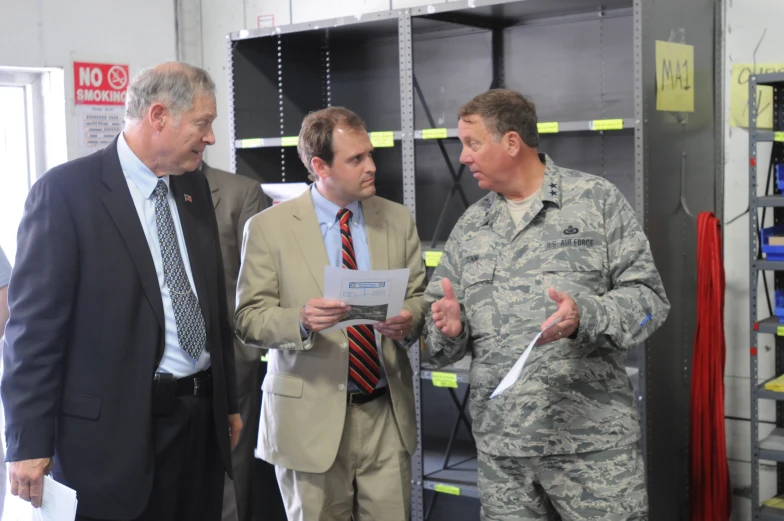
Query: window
(32,140)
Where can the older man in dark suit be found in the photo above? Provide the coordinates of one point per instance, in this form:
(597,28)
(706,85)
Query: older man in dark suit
(119,359)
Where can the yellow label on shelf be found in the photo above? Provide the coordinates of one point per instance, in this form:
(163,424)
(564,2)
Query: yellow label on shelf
(551,127)
(775,502)
(434,133)
(607,124)
(674,77)
(444,380)
(289,141)
(447,489)
(432,258)
(382,139)
(778,136)
(780,331)
(264,358)
(251,143)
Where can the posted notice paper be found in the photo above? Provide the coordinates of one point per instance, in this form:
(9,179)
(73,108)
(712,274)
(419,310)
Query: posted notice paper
(374,295)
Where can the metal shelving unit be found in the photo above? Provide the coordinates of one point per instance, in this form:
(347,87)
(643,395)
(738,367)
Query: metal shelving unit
(592,75)
(763,449)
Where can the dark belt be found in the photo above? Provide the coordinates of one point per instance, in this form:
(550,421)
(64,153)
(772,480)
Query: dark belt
(358,397)
(199,384)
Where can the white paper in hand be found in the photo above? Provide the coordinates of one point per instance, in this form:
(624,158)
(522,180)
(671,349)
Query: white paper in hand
(514,374)
(58,504)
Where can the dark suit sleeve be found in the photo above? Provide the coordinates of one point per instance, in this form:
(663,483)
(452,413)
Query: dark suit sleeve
(254,203)
(41,293)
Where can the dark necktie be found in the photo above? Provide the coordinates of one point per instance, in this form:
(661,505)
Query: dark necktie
(187,313)
(363,363)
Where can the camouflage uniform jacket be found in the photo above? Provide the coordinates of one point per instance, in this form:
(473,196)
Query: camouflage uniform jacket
(579,236)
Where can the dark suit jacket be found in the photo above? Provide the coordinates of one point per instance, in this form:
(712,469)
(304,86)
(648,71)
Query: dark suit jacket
(86,333)
(236,199)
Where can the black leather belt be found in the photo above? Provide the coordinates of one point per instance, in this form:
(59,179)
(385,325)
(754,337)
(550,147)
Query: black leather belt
(199,384)
(358,397)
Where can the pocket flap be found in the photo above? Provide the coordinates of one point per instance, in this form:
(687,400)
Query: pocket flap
(86,406)
(283,385)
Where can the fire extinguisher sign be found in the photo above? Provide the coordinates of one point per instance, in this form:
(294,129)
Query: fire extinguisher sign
(100,83)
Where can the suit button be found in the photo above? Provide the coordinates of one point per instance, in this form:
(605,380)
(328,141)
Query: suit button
(341,387)
(344,345)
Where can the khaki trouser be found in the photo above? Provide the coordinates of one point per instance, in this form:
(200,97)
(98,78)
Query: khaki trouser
(370,478)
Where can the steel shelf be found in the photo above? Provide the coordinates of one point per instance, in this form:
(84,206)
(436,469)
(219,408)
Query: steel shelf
(286,141)
(771,514)
(771,201)
(765,394)
(460,475)
(770,79)
(545,128)
(769,325)
(762,264)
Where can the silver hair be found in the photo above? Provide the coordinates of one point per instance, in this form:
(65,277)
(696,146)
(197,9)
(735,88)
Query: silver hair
(174,86)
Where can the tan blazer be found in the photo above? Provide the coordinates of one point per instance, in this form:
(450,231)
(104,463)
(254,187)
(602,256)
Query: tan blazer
(304,403)
(236,199)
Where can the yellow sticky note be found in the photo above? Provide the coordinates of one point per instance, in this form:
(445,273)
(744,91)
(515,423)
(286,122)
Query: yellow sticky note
(434,133)
(739,95)
(550,127)
(674,77)
(432,258)
(251,143)
(444,380)
(780,331)
(447,489)
(289,141)
(607,124)
(264,358)
(778,136)
(775,502)
(382,139)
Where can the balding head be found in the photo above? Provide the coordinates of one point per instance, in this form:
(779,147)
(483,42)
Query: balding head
(173,84)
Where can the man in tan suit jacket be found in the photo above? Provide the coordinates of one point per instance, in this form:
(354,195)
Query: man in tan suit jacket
(236,199)
(337,419)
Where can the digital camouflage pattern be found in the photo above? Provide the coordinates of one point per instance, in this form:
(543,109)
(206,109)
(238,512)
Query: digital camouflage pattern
(608,485)
(579,236)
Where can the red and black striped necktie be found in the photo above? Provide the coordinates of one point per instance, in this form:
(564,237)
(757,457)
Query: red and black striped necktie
(363,365)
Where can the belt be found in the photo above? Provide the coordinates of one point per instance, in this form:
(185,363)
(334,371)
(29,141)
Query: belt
(198,384)
(358,397)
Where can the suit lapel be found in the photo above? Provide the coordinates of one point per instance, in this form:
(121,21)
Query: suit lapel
(188,208)
(376,230)
(120,206)
(214,190)
(307,232)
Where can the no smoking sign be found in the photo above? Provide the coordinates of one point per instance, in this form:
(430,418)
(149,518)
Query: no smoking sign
(100,83)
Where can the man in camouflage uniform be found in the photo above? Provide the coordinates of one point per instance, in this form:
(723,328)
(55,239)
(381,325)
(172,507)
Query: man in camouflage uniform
(545,243)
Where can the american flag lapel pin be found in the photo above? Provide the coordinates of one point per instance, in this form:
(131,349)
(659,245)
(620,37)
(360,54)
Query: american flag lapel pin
(188,198)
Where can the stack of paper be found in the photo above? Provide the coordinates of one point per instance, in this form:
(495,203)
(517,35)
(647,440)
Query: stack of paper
(58,504)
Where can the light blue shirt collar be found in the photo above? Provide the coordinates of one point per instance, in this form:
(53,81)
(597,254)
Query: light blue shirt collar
(144,179)
(327,211)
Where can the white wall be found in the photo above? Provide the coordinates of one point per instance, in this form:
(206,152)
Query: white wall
(55,33)
(745,30)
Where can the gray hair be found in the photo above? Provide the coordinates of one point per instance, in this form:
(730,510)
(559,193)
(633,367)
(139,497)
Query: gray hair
(173,84)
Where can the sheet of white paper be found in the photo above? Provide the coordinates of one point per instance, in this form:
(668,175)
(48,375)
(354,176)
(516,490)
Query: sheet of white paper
(374,295)
(517,369)
(280,192)
(58,504)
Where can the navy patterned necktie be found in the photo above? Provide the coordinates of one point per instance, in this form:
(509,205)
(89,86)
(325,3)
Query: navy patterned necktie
(187,313)
(363,363)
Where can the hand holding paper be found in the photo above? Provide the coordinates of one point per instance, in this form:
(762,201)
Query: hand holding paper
(514,374)
(371,295)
